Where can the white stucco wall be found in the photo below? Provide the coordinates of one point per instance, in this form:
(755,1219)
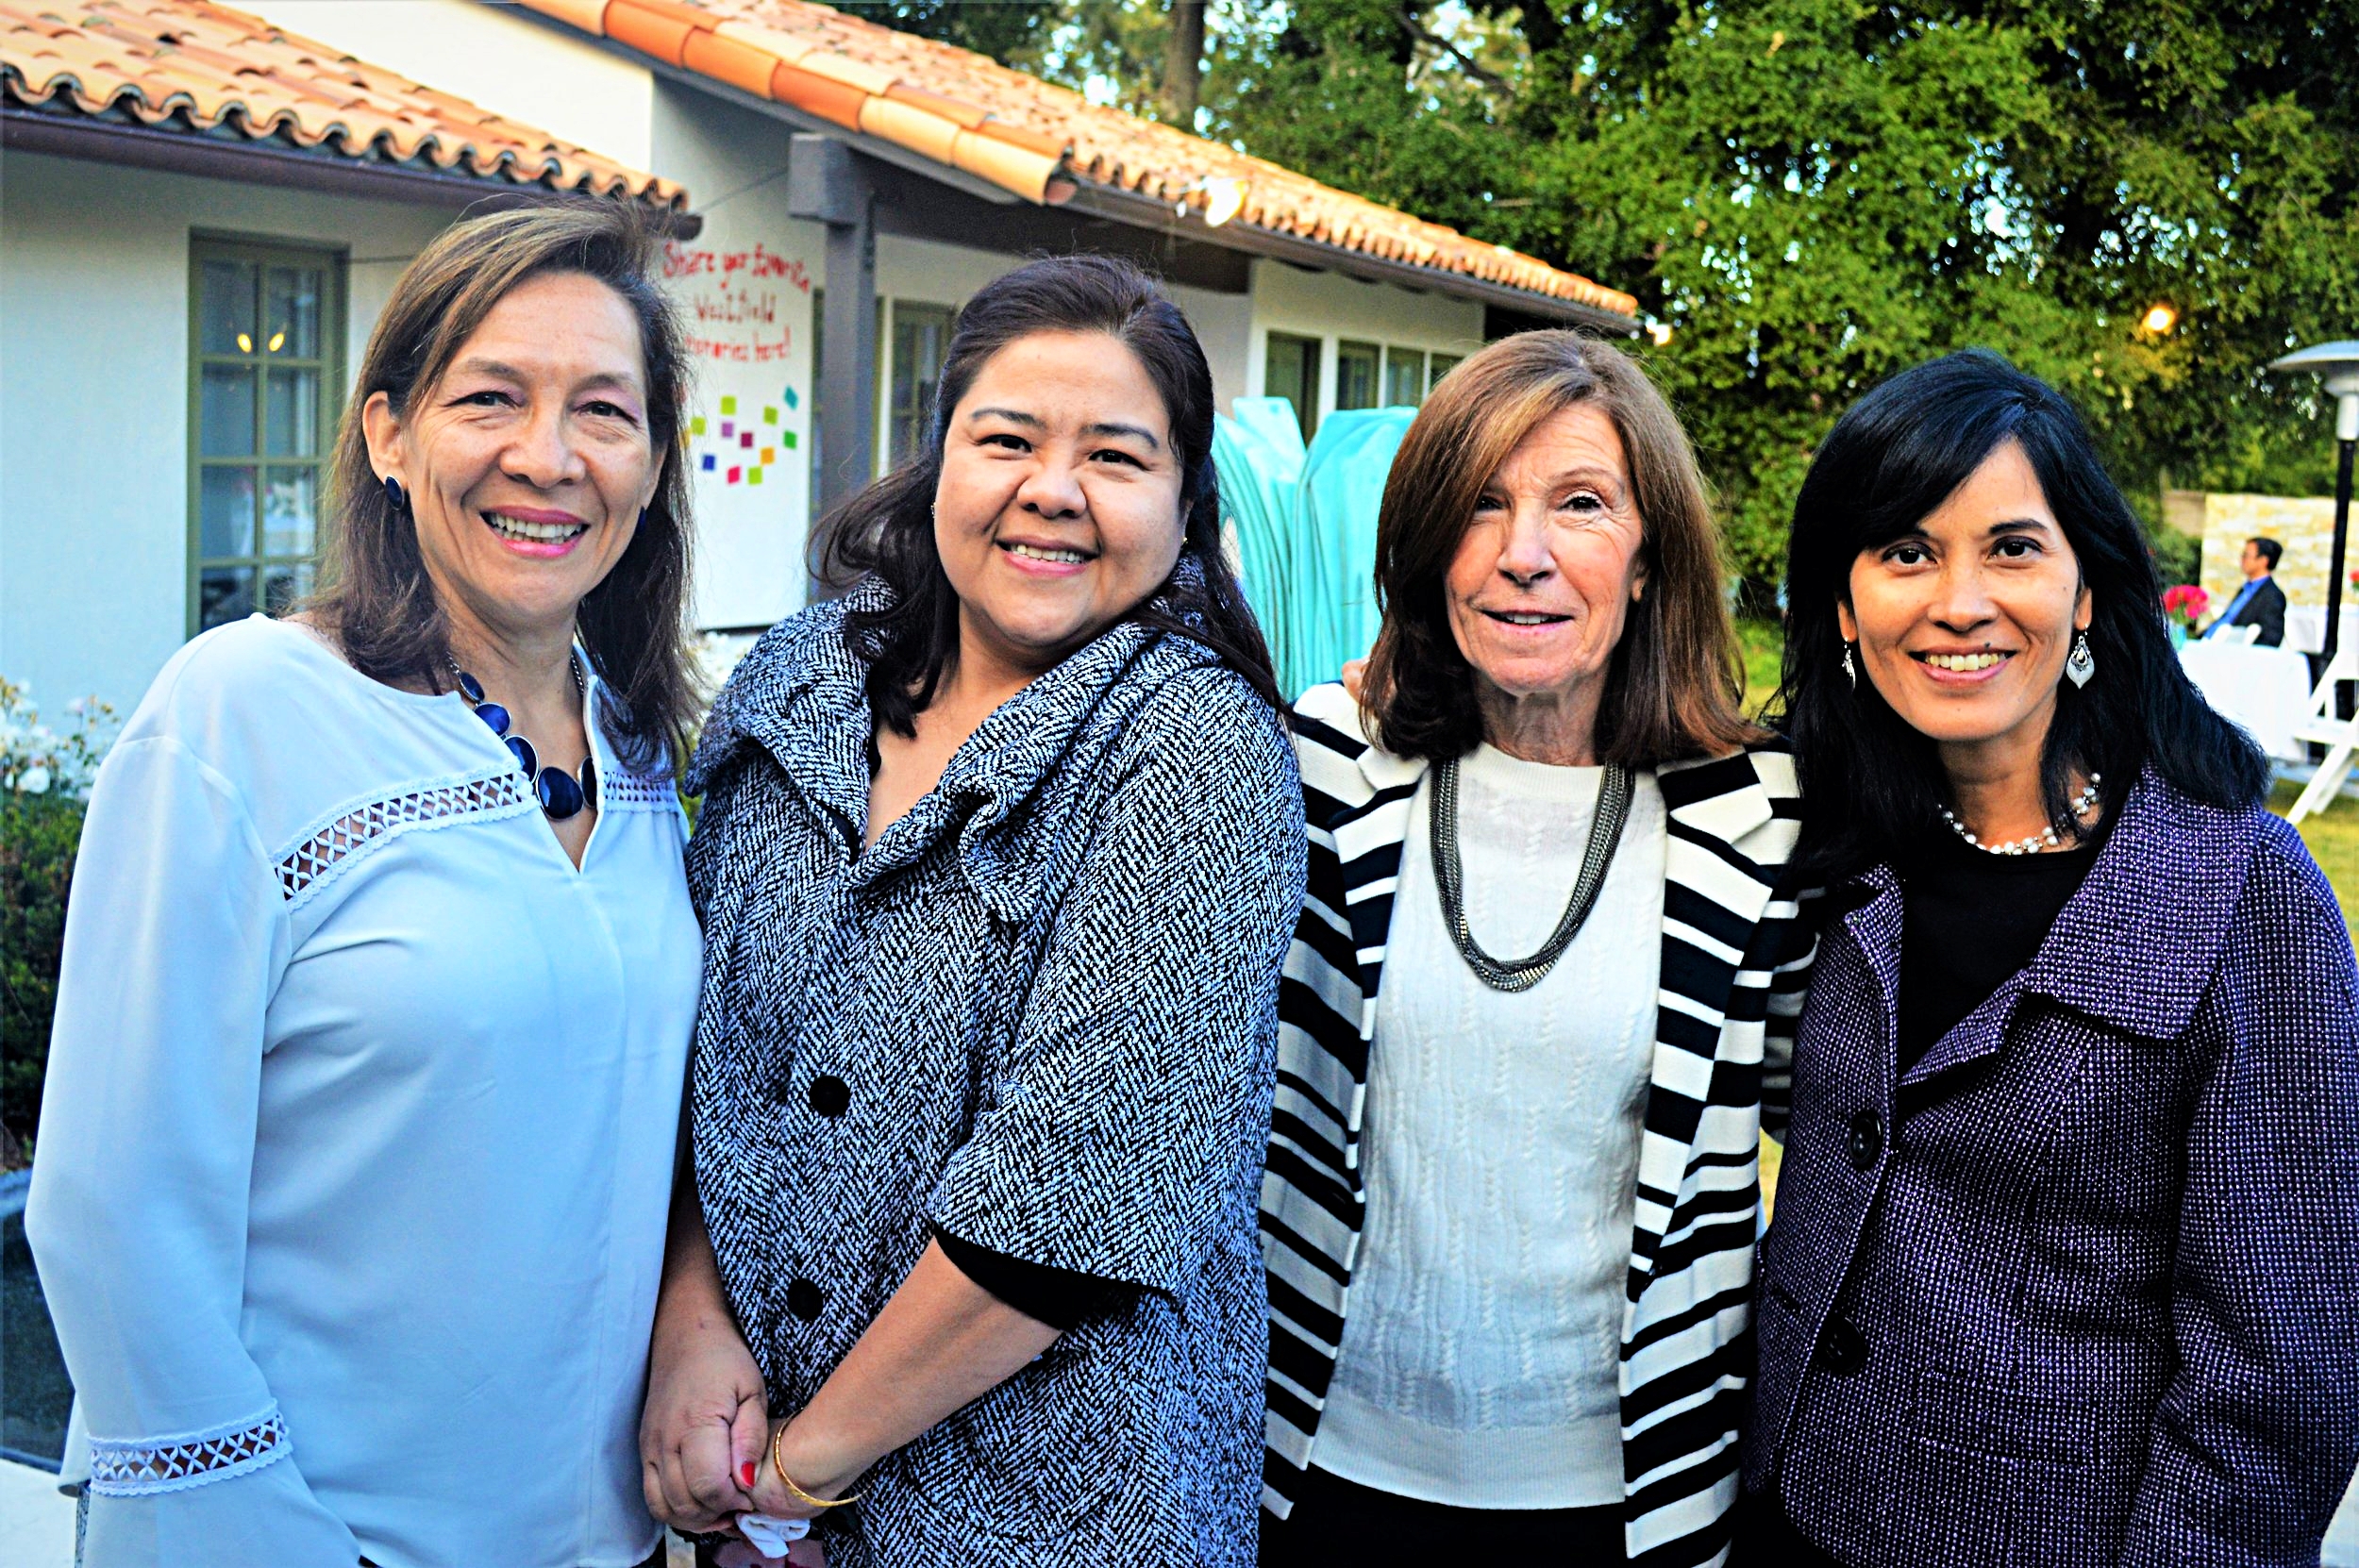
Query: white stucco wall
(93,398)
(1331,307)
(750,547)
(93,328)
(495,57)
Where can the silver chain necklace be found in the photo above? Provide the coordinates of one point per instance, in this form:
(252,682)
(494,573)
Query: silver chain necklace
(1605,837)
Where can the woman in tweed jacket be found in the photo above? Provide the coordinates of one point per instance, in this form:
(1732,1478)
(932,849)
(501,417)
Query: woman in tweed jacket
(2066,1263)
(996,863)
(1511,1204)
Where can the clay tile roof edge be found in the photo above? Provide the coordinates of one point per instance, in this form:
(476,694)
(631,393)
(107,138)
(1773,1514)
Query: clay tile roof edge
(191,67)
(1027,136)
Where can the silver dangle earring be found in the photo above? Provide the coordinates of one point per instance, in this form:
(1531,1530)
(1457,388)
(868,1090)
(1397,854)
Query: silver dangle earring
(1850,669)
(2080,664)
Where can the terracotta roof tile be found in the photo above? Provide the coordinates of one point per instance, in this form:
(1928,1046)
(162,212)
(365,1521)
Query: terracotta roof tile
(1024,135)
(151,61)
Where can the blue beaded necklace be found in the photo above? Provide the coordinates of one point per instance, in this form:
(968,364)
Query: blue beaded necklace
(562,793)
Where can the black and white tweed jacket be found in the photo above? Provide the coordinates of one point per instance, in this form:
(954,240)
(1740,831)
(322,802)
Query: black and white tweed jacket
(1038,1013)
(1736,960)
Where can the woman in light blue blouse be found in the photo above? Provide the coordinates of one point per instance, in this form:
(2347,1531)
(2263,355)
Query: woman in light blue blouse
(362,1099)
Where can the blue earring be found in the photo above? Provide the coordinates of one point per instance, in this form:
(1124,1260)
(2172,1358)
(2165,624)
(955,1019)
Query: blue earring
(643,515)
(395,497)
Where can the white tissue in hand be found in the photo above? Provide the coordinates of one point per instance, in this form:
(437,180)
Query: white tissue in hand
(770,1536)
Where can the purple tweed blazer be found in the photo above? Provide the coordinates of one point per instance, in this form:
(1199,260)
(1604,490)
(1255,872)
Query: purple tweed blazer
(2083,1287)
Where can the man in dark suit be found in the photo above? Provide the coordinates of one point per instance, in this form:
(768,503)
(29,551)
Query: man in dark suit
(2259,602)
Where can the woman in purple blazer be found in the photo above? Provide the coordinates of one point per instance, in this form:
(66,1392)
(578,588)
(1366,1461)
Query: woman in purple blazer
(2065,1262)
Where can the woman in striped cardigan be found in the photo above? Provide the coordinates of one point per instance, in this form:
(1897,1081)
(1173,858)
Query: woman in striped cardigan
(1511,1204)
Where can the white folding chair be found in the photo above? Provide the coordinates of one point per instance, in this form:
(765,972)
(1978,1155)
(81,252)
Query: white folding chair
(2339,735)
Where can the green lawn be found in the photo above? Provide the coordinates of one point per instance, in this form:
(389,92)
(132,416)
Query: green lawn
(2333,836)
(1764,643)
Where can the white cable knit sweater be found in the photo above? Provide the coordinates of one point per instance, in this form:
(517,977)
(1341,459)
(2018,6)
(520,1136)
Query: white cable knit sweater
(1479,1361)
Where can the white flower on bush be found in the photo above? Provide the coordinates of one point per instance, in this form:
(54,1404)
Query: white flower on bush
(36,760)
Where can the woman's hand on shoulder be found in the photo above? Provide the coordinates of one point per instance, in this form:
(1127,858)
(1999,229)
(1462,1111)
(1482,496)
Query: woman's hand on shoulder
(707,1418)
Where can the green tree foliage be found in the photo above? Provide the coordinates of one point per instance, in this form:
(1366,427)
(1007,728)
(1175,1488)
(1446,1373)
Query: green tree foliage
(1342,90)
(1011,31)
(1815,193)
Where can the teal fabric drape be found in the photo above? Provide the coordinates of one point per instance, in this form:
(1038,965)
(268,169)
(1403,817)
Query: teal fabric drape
(1300,526)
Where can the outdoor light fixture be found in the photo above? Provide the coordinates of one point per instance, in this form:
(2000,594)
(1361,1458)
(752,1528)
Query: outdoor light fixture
(2160,317)
(1224,199)
(2338,365)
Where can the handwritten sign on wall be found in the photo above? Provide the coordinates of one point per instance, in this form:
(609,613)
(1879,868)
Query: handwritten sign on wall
(745,300)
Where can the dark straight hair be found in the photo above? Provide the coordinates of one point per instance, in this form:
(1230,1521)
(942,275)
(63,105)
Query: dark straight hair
(887,530)
(375,598)
(1872,786)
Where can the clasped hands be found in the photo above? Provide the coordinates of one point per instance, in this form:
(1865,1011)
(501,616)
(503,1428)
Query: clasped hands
(709,1452)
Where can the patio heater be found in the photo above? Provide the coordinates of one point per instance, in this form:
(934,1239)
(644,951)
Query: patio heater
(2338,364)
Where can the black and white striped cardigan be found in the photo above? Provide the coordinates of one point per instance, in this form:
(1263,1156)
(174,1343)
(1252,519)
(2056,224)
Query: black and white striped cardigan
(1736,960)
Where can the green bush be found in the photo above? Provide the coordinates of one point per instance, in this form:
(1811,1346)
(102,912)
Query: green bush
(43,776)
(38,835)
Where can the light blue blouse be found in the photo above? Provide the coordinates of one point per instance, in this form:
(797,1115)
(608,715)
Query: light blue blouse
(350,1189)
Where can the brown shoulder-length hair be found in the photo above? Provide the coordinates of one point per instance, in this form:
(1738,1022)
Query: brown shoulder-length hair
(1675,683)
(375,597)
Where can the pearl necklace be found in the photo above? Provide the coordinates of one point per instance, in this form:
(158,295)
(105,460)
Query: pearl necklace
(2080,807)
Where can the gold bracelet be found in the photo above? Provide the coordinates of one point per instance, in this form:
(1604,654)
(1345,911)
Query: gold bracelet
(778,1463)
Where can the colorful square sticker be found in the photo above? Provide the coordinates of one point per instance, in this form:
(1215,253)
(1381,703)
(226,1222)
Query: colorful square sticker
(792,401)
(735,473)
(754,477)
(769,454)
(696,425)
(786,439)
(728,428)
(707,462)
(769,413)
(729,405)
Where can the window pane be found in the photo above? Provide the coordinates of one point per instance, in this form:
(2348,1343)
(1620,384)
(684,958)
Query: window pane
(291,313)
(224,307)
(1291,372)
(283,585)
(1443,366)
(1355,376)
(291,512)
(921,335)
(1404,377)
(291,427)
(225,513)
(226,419)
(223,594)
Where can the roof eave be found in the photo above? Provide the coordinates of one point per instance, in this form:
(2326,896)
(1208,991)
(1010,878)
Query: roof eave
(1129,207)
(26,129)
(1112,202)
(787,114)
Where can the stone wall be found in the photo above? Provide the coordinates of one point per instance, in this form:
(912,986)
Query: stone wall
(2305,526)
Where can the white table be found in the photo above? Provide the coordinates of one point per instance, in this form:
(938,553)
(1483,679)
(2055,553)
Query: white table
(2266,690)
(2305,624)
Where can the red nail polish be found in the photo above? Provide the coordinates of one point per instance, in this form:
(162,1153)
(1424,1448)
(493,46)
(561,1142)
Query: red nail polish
(746,1475)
